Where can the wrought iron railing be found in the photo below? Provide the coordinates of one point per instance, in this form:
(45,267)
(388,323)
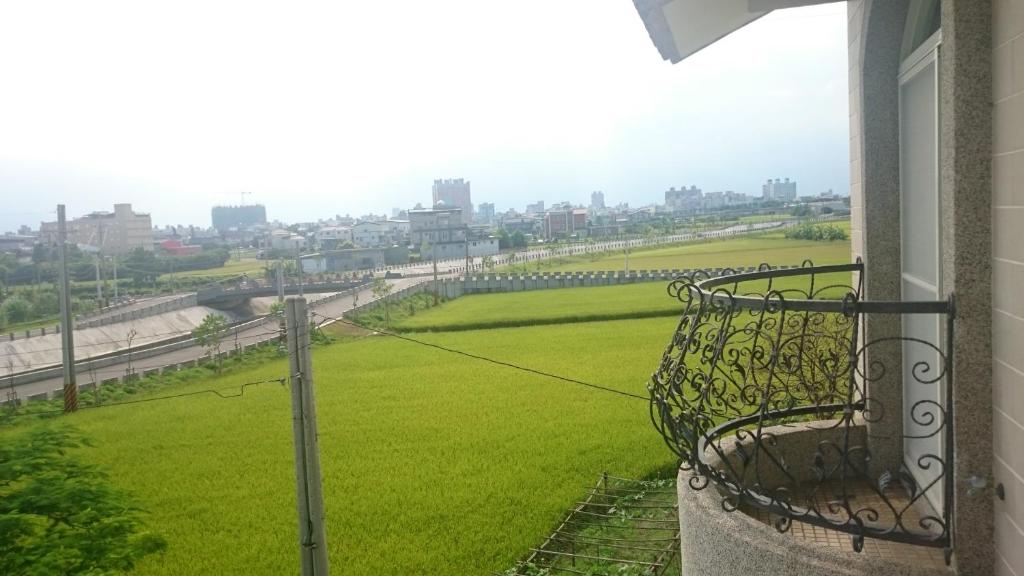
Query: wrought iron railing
(756,356)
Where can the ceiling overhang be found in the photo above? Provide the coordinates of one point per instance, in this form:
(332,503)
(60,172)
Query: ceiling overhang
(681,28)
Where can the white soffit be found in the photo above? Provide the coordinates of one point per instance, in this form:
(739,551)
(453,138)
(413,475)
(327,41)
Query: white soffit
(778,4)
(680,28)
(696,24)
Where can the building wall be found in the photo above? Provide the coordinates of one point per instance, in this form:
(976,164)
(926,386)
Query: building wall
(876,29)
(855,13)
(118,232)
(1008,281)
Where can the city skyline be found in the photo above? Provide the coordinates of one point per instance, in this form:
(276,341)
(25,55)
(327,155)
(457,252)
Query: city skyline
(582,108)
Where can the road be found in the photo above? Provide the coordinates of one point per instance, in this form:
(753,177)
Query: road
(258,333)
(335,308)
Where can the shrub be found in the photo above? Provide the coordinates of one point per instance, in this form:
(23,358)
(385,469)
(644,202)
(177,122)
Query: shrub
(816,232)
(16,309)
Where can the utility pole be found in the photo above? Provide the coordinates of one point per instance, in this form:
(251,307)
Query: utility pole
(280,281)
(67,328)
(114,258)
(433,250)
(465,277)
(312,533)
(298,265)
(99,284)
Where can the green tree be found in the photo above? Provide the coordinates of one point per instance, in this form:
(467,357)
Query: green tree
(60,516)
(210,335)
(16,309)
(381,291)
(504,241)
(488,263)
(518,239)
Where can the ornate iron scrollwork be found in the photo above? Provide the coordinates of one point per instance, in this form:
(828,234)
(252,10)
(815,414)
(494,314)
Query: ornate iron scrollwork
(756,354)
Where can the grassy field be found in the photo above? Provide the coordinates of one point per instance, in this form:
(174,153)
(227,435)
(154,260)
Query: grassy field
(556,306)
(233,267)
(772,248)
(433,463)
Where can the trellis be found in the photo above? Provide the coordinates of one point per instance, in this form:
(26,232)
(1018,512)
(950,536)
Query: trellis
(623,526)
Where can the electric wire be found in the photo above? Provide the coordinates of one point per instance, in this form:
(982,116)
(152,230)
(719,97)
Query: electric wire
(487,359)
(215,391)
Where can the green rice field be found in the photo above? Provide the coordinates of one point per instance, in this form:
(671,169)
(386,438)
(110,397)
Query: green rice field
(772,248)
(433,463)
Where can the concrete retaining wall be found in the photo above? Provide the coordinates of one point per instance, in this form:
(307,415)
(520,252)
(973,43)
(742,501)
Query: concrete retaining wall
(185,301)
(451,288)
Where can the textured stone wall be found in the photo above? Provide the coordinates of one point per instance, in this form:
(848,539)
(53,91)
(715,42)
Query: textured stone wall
(1008,281)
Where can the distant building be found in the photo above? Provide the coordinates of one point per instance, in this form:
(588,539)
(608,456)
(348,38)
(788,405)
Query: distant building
(238,217)
(352,259)
(441,234)
(683,199)
(370,235)
(524,224)
(15,243)
(779,190)
(597,200)
(333,237)
(454,193)
(116,232)
(288,241)
(428,227)
(485,212)
(535,208)
(564,222)
(174,247)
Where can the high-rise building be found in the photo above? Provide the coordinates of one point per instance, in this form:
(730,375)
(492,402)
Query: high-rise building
(597,200)
(485,212)
(116,232)
(238,217)
(779,190)
(454,193)
(535,208)
(684,198)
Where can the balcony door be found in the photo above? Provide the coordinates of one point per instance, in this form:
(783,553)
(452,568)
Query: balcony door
(920,267)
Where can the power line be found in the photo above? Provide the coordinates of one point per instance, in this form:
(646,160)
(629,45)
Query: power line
(217,392)
(490,360)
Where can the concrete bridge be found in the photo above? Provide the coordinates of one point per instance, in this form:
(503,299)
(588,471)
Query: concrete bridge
(220,297)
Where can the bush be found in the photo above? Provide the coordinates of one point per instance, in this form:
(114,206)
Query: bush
(816,232)
(16,309)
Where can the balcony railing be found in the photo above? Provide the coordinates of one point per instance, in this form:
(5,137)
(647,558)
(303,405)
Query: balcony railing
(758,356)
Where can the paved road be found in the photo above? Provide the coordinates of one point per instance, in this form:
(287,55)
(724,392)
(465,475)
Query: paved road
(260,332)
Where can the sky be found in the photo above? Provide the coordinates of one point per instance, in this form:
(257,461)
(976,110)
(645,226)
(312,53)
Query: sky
(344,107)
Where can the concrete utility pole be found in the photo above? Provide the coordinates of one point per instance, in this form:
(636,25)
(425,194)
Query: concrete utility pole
(433,250)
(280,281)
(99,284)
(114,258)
(67,328)
(312,533)
(298,265)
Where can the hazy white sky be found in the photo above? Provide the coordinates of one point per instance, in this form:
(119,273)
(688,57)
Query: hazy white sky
(319,108)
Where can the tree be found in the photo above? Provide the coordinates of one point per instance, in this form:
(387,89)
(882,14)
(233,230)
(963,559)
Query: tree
(16,309)
(488,263)
(518,239)
(381,291)
(60,516)
(210,335)
(504,241)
